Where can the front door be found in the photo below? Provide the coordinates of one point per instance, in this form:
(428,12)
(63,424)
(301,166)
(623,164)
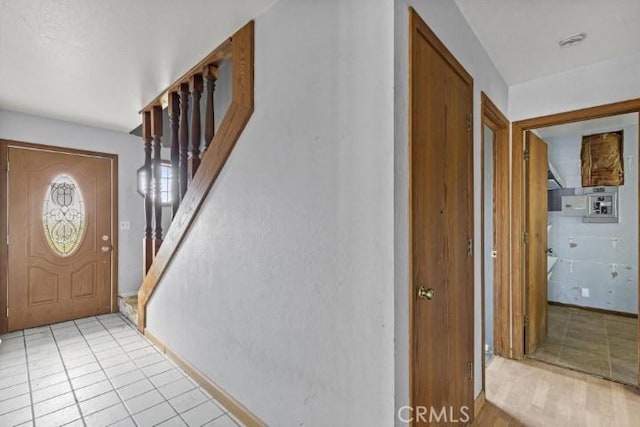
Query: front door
(536,241)
(441,232)
(60,236)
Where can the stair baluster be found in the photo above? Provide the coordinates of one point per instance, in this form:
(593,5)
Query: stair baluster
(195,87)
(156,133)
(184,139)
(174,113)
(209,75)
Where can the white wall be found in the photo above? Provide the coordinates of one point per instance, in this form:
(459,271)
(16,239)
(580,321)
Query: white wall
(38,130)
(282,292)
(445,19)
(603,257)
(603,83)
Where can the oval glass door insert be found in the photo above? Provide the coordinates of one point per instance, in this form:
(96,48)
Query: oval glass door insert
(63,216)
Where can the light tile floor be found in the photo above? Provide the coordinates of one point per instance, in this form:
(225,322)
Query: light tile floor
(97,371)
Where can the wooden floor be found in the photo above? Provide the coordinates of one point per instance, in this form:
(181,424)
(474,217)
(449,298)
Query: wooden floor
(530,393)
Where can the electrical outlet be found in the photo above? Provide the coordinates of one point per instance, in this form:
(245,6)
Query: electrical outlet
(125,225)
(585,292)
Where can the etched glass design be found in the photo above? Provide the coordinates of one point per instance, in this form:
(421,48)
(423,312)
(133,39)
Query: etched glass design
(63,216)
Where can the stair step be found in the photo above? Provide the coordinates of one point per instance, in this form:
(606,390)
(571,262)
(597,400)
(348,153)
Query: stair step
(129,307)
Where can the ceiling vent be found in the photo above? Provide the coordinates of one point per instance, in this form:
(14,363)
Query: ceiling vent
(572,40)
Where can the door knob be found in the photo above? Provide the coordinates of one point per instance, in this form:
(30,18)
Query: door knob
(424,293)
(106,249)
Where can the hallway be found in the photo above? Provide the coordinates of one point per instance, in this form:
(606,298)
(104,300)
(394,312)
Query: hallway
(534,394)
(97,371)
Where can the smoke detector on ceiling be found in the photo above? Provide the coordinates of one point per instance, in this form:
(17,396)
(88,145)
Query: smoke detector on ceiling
(572,40)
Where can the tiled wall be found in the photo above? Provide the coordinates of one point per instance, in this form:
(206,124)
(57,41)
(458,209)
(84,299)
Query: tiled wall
(600,257)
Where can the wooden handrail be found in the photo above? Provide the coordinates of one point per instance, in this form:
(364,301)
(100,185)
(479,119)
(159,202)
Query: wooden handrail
(240,50)
(219,55)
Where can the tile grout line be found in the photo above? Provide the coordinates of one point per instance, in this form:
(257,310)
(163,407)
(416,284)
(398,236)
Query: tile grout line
(165,358)
(225,411)
(74,326)
(26,356)
(145,375)
(66,372)
(107,377)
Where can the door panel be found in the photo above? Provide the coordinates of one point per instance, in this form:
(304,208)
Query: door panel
(441,229)
(536,256)
(60,237)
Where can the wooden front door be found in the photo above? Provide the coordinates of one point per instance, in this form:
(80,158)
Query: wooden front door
(535,241)
(442,307)
(60,236)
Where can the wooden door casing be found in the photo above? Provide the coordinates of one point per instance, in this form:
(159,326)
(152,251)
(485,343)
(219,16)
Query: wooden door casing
(43,286)
(441,221)
(536,241)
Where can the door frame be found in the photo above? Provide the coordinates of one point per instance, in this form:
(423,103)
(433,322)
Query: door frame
(518,202)
(493,118)
(417,24)
(5,144)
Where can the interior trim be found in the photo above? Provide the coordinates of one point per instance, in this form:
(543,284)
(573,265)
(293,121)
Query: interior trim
(594,309)
(478,404)
(499,124)
(228,401)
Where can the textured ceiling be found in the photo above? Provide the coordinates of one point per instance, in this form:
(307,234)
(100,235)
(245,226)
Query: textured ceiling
(521,36)
(98,62)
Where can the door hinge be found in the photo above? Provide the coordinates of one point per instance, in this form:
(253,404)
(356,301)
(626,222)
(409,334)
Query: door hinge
(470,247)
(470,370)
(525,237)
(494,254)
(470,122)
(526,155)
(526,320)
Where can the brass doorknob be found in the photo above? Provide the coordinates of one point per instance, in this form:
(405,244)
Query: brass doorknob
(106,249)
(424,293)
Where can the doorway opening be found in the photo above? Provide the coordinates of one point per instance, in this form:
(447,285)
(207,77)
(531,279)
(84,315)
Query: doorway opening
(495,231)
(613,275)
(591,247)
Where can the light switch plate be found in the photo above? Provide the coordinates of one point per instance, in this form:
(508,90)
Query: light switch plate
(585,292)
(125,225)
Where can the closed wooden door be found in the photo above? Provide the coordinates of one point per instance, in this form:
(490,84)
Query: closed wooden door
(536,241)
(60,237)
(441,232)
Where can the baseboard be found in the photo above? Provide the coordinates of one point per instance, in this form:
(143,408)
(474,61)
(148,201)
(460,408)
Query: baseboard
(594,309)
(235,407)
(478,404)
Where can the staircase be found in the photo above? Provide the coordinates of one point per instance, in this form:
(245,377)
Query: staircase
(197,157)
